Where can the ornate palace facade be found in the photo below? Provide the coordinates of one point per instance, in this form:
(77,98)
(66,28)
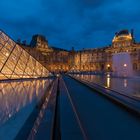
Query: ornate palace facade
(99,59)
(54,59)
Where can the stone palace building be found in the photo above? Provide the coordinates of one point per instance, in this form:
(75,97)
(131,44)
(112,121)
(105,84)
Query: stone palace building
(86,60)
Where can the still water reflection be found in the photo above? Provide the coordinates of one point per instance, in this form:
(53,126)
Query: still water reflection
(15,96)
(129,86)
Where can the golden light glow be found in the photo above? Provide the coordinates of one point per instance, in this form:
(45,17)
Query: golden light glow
(7,54)
(108,82)
(16,63)
(125,65)
(122,37)
(108,65)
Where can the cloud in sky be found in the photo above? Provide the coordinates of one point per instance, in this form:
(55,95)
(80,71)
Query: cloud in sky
(67,23)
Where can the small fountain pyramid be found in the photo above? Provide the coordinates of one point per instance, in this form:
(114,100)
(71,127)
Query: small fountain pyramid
(122,64)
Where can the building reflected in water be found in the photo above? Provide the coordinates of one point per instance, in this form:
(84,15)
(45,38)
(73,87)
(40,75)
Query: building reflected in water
(14,96)
(124,85)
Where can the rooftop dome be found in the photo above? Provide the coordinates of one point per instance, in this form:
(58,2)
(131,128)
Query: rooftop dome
(122,35)
(123,32)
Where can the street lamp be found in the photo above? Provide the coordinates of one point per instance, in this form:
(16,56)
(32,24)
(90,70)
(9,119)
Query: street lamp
(108,65)
(125,65)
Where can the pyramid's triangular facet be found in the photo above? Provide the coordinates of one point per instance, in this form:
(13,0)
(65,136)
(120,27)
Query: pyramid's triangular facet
(16,63)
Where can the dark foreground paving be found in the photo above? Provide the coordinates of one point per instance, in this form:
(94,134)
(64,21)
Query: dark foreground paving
(69,126)
(70,110)
(100,118)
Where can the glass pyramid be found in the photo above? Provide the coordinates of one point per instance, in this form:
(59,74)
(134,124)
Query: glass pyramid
(16,63)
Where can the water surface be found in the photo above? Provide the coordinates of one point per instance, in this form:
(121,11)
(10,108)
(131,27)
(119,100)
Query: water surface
(129,86)
(17,101)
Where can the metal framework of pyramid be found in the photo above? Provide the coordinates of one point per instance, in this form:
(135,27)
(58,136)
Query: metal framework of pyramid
(16,63)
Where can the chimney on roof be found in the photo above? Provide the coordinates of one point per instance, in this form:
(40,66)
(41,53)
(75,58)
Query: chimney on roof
(132,33)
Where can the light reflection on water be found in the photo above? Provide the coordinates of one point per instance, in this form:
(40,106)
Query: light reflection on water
(129,86)
(16,95)
(108,82)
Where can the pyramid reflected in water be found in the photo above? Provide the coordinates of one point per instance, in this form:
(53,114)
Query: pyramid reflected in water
(16,63)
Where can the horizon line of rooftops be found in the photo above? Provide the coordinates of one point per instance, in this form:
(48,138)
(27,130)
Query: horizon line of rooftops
(123,32)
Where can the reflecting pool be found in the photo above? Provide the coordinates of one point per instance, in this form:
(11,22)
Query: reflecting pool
(129,86)
(17,101)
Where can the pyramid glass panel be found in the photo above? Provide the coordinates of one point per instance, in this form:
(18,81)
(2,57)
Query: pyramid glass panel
(16,63)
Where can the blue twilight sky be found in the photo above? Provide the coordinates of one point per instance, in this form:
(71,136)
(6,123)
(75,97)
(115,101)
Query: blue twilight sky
(67,23)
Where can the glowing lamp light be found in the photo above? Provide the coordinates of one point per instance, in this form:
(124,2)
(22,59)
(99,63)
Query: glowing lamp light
(108,65)
(7,54)
(108,75)
(125,65)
